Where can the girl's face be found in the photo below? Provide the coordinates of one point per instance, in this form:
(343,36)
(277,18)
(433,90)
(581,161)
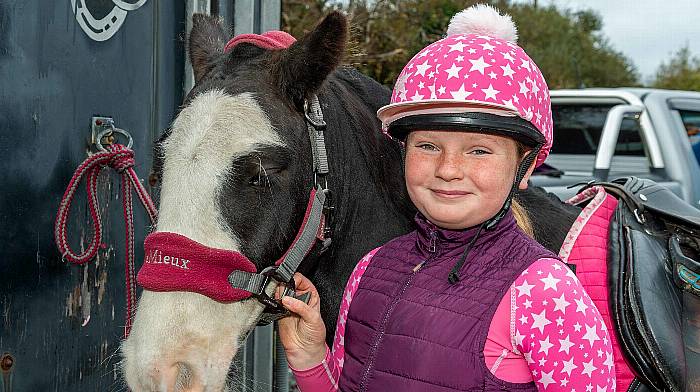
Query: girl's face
(460,179)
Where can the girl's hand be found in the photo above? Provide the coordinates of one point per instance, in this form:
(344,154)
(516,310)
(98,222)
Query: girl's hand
(303,334)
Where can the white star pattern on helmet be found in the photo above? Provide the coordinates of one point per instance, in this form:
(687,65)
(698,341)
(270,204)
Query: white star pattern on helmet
(453,71)
(459,47)
(423,67)
(479,65)
(523,88)
(461,94)
(507,71)
(509,103)
(508,56)
(483,59)
(560,321)
(490,92)
(487,46)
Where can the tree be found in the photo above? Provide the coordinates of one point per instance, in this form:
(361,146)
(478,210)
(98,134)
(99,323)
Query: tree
(569,47)
(682,72)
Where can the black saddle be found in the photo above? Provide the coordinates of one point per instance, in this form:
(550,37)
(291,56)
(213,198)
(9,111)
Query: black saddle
(654,284)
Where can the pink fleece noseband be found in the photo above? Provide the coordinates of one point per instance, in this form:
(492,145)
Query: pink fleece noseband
(174,262)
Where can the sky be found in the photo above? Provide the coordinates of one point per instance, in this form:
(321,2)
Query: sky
(645,32)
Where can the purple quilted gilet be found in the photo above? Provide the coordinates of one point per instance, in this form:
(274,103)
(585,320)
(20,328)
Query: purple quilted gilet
(409,329)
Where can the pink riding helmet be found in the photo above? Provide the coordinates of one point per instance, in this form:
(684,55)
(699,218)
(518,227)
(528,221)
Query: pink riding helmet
(475,78)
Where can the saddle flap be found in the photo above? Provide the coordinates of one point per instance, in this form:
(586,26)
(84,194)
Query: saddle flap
(656,306)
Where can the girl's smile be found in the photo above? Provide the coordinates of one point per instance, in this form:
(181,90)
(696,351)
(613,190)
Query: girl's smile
(449,194)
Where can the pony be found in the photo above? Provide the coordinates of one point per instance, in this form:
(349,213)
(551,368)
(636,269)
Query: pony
(235,169)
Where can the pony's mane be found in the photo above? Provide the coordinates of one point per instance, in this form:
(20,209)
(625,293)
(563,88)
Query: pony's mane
(358,98)
(543,208)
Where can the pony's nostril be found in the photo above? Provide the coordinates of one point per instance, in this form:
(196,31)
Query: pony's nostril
(184,379)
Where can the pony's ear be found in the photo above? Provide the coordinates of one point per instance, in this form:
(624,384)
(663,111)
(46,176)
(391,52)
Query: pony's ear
(305,65)
(207,40)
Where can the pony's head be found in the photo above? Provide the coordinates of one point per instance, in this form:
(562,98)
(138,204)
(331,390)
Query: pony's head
(235,174)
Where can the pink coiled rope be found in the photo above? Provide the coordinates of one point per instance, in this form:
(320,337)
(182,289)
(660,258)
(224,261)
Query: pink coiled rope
(121,159)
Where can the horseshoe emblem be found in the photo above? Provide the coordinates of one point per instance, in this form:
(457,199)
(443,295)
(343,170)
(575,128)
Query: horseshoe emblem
(108,22)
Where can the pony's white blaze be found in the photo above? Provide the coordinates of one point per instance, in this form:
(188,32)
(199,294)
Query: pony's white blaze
(185,341)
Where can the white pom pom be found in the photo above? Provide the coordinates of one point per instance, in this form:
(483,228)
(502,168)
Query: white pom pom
(483,19)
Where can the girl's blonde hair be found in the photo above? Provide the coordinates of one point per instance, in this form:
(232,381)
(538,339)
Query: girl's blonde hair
(519,211)
(522,219)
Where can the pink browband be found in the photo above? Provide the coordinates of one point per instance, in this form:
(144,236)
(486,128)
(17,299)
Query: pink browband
(271,40)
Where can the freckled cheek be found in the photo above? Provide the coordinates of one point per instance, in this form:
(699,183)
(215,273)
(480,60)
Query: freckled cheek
(419,169)
(491,177)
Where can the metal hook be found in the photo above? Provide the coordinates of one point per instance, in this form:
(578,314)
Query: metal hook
(111,130)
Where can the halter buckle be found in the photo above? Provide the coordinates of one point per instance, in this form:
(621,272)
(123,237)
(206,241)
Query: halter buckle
(273,308)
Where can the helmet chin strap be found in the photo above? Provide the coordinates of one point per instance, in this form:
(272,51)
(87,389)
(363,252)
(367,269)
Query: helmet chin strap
(519,175)
(491,223)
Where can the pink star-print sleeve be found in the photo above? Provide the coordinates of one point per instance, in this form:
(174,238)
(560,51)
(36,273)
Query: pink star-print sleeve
(559,331)
(325,376)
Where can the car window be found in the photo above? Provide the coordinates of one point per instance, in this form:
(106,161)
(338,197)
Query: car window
(691,121)
(577,130)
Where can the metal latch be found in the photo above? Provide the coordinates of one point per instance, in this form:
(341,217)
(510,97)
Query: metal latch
(99,124)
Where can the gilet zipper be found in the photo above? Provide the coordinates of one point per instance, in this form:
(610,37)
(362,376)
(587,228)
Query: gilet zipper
(432,249)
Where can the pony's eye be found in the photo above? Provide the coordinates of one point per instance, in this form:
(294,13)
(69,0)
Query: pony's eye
(260,180)
(264,177)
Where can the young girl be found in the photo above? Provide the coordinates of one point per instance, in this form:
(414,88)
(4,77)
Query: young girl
(467,301)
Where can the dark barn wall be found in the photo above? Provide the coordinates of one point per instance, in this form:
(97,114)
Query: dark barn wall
(61,323)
